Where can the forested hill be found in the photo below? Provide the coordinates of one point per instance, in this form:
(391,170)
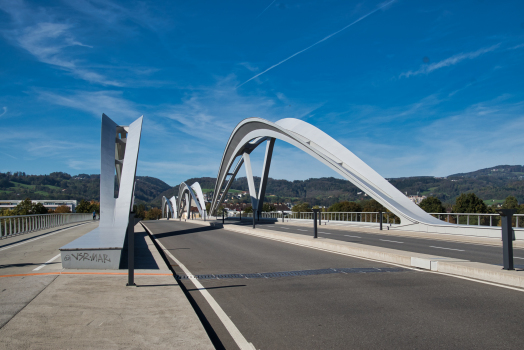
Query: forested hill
(493,184)
(64,186)
(489,184)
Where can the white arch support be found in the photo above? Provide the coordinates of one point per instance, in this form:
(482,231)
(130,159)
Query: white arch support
(167,208)
(251,132)
(101,248)
(187,194)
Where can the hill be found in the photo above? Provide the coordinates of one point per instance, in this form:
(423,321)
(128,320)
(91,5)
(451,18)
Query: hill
(64,186)
(491,184)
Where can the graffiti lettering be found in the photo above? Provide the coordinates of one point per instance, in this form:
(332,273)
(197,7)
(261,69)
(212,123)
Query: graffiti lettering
(103,258)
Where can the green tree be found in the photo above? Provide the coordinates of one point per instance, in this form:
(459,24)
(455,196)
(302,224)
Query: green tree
(248,209)
(23,208)
(301,208)
(83,207)
(469,203)
(140,211)
(345,206)
(510,203)
(373,206)
(268,207)
(153,214)
(432,205)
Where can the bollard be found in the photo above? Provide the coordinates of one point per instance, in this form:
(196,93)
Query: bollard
(240,216)
(282,216)
(131,250)
(380,218)
(506,216)
(222,217)
(253,219)
(315,213)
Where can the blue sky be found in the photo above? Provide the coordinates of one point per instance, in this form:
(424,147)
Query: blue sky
(411,87)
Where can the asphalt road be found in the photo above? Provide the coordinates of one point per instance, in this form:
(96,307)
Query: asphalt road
(361,308)
(468,251)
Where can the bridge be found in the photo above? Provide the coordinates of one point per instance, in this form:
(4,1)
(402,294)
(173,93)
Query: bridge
(261,281)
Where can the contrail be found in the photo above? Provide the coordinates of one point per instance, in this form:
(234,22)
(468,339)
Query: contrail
(268,6)
(318,42)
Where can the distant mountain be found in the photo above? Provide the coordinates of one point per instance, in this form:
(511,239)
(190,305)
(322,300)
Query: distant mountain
(491,184)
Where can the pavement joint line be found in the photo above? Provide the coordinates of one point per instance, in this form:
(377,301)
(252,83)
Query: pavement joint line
(235,333)
(46,263)
(44,236)
(85,273)
(459,250)
(384,262)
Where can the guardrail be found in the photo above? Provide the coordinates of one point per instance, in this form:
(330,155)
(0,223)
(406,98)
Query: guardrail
(19,224)
(470,219)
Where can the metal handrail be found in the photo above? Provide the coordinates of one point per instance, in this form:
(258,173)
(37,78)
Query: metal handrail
(20,224)
(387,218)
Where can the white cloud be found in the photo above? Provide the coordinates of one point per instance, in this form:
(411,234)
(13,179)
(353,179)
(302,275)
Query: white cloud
(96,103)
(450,61)
(4,111)
(49,41)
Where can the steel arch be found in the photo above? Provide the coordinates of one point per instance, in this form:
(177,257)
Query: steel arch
(251,132)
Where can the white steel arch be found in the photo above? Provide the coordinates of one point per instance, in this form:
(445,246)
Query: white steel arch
(251,132)
(186,195)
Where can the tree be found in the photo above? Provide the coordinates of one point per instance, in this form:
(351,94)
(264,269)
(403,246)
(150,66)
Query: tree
(83,207)
(373,206)
(62,209)
(23,208)
(432,205)
(38,208)
(140,211)
(301,208)
(345,206)
(153,214)
(266,207)
(469,203)
(248,209)
(510,203)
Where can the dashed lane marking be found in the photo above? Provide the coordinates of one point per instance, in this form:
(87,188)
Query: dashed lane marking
(387,240)
(458,250)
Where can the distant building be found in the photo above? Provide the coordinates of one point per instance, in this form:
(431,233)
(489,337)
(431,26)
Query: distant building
(416,199)
(48,203)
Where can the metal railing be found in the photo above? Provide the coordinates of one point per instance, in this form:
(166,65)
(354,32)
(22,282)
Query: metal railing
(476,219)
(19,224)
(471,219)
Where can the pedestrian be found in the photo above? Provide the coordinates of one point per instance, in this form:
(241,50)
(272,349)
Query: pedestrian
(94,215)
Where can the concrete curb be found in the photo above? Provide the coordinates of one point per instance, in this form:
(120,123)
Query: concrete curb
(458,267)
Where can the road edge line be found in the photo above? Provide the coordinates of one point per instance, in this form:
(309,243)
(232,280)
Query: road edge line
(235,333)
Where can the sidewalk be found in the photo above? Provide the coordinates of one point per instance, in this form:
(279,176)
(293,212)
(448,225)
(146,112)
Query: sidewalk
(83,309)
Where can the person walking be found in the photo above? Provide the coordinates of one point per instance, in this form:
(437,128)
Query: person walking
(94,215)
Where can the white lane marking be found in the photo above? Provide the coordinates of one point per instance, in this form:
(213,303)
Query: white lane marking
(515,257)
(301,229)
(326,233)
(47,262)
(230,326)
(44,236)
(458,250)
(352,236)
(383,262)
(285,228)
(387,240)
